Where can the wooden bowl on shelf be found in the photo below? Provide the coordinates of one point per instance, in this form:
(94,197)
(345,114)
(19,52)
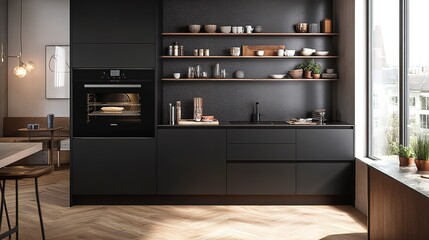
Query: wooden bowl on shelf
(194,28)
(295,74)
(210,28)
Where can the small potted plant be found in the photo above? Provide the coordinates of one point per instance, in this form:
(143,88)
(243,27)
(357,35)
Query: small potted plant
(421,151)
(406,156)
(316,71)
(308,67)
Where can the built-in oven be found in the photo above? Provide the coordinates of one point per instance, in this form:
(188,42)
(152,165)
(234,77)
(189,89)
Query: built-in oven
(113,102)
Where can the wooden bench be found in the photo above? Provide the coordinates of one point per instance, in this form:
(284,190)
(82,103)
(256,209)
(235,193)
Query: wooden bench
(11,134)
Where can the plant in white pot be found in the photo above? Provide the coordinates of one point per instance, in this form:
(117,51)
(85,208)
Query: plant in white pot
(406,156)
(421,151)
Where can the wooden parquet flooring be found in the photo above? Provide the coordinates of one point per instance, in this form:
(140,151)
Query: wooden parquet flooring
(175,222)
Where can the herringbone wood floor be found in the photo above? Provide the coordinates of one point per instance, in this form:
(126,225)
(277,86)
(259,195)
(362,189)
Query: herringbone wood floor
(176,222)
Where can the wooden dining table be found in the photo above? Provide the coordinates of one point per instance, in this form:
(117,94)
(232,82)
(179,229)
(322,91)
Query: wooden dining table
(33,133)
(12,152)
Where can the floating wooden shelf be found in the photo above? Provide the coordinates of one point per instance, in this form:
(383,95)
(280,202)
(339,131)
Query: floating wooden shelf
(245,79)
(246,57)
(251,34)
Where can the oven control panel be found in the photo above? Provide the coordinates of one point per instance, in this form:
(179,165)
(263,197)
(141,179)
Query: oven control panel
(113,75)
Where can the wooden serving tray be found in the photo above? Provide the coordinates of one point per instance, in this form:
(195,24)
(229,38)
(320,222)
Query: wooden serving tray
(192,122)
(269,50)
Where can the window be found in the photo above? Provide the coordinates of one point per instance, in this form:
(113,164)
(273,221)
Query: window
(423,103)
(424,121)
(412,101)
(399,74)
(384,76)
(418,66)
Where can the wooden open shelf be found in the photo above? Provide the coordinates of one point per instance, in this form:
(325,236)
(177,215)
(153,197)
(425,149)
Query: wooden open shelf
(251,34)
(246,79)
(247,57)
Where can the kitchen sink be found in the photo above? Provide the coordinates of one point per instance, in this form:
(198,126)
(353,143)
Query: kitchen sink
(258,123)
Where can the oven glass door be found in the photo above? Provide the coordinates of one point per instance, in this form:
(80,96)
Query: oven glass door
(113,110)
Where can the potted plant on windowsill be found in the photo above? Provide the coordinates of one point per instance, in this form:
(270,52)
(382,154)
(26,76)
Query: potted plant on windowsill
(406,156)
(421,151)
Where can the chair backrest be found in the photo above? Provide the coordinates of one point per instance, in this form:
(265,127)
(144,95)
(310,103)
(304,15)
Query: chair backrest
(12,124)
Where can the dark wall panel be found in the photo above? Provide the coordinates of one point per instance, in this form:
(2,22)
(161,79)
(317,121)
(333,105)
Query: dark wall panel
(272,15)
(235,100)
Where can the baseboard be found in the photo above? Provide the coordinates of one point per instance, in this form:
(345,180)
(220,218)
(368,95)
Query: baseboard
(361,207)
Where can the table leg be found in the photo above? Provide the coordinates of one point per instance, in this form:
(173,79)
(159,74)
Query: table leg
(51,149)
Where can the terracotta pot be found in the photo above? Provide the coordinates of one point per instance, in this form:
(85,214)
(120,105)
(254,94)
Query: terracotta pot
(422,165)
(406,162)
(316,75)
(307,74)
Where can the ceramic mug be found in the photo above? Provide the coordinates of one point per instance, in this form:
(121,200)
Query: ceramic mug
(235,29)
(240,29)
(280,52)
(249,29)
(235,51)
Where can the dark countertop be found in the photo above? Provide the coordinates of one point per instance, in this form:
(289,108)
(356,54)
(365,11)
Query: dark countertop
(409,176)
(336,125)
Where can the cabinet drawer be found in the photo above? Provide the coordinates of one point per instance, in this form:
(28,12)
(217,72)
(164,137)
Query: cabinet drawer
(324,144)
(325,178)
(261,152)
(114,55)
(261,179)
(261,136)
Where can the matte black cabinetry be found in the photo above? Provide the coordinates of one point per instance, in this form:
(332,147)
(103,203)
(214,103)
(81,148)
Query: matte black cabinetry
(113,167)
(258,161)
(113,33)
(261,178)
(114,55)
(324,178)
(113,21)
(192,161)
(325,144)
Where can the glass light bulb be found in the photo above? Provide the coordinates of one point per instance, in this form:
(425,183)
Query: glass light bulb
(20,71)
(29,66)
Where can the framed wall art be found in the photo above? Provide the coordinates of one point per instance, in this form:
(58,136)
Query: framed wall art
(57,71)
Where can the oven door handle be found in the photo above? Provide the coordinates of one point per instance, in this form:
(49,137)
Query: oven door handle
(112,86)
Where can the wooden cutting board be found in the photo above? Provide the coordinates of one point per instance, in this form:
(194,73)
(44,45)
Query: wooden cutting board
(192,122)
(269,50)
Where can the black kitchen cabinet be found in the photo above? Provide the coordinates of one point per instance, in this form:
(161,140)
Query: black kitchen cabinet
(192,161)
(113,167)
(324,144)
(114,55)
(325,178)
(261,136)
(261,152)
(261,179)
(113,21)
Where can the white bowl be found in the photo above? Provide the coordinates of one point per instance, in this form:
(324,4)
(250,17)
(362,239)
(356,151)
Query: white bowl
(306,53)
(322,53)
(176,75)
(278,76)
(225,29)
(260,53)
(289,52)
(309,49)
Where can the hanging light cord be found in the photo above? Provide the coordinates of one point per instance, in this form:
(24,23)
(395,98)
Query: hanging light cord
(20,31)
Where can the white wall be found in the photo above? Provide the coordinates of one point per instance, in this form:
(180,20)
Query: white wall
(45,22)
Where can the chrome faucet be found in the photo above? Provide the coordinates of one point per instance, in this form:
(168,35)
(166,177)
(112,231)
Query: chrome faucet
(257,115)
